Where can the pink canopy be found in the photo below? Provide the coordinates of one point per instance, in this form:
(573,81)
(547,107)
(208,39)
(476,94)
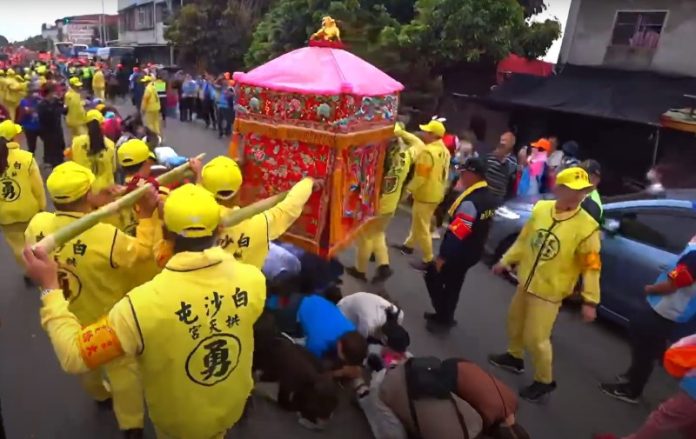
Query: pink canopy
(321,70)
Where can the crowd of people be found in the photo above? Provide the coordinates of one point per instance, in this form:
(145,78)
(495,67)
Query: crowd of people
(180,313)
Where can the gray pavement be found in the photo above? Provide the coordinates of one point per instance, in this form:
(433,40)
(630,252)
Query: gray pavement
(40,401)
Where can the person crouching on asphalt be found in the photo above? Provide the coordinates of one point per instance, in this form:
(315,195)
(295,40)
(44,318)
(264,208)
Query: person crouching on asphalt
(198,313)
(677,414)
(427,187)
(559,243)
(462,246)
(372,240)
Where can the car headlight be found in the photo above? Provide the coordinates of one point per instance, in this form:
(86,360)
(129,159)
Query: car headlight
(507,213)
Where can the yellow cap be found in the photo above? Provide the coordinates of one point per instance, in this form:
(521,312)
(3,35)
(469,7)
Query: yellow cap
(2,72)
(75,82)
(134,152)
(94,115)
(191,211)
(434,127)
(10,72)
(100,107)
(69,182)
(575,178)
(9,130)
(221,174)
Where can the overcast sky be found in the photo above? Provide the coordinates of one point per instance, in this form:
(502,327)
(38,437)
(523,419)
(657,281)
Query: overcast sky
(556,9)
(23,18)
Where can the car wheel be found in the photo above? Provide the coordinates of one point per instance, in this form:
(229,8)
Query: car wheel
(504,245)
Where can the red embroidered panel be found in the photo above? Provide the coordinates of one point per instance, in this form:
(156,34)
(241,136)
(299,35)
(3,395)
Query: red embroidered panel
(274,166)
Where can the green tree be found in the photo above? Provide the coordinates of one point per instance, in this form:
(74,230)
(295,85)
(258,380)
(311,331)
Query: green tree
(37,43)
(3,41)
(289,24)
(215,34)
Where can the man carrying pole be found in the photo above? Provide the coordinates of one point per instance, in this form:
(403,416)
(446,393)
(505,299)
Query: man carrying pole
(94,272)
(198,313)
(249,241)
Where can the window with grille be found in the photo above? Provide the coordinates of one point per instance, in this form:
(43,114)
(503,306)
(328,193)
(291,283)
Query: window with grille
(639,29)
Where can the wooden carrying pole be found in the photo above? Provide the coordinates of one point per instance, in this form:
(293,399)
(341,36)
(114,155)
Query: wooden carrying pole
(74,229)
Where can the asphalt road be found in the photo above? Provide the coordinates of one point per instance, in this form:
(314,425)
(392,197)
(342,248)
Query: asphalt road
(40,401)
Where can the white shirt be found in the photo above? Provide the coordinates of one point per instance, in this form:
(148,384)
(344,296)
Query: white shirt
(367,311)
(555,159)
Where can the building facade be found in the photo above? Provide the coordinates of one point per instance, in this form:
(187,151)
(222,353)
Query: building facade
(142,24)
(646,35)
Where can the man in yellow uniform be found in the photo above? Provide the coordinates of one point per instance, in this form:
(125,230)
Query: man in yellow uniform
(135,159)
(16,91)
(427,187)
(3,87)
(249,240)
(99,84)
(559,243)
(190,328)
(150,106)
(21,189)
(75,115)
(373,239)
(94,273)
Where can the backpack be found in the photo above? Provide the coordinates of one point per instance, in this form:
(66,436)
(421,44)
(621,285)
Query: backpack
(426,378)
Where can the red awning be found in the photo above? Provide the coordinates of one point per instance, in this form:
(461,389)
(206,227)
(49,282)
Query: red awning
(519,64)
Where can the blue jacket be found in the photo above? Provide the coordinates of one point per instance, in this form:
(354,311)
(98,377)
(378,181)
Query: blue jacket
(323,324)
(29,120)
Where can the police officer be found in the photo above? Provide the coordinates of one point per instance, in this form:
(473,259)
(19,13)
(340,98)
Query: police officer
(462,245)
(197,315)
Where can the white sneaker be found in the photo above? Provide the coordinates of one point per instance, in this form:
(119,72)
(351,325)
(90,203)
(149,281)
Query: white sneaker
(436,234)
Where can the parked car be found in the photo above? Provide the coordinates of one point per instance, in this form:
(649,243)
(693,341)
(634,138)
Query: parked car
(640,238)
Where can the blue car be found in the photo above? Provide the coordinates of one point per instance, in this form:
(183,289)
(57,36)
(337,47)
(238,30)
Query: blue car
(640,238)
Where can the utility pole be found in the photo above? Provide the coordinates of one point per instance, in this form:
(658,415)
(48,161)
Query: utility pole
(103,25)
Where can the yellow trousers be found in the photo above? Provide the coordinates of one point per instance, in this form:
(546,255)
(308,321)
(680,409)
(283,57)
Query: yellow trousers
(161,435)
(419,235)
(151,119)
(77,130)
(100,93)
(12,109)
(530,322)
(126,390)
(14,235)
(373,239)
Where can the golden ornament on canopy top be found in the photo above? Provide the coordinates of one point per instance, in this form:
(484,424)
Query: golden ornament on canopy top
(329,30)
